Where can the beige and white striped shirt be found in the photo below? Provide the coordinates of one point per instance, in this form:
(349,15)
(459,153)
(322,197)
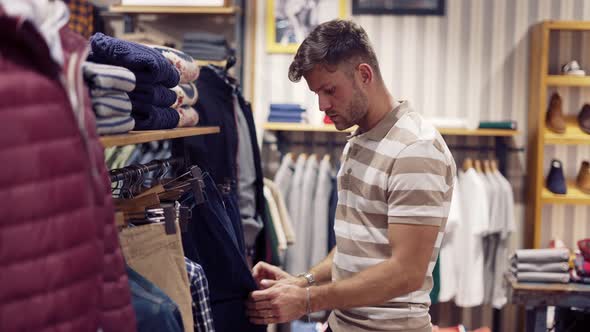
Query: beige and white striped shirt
(400,171)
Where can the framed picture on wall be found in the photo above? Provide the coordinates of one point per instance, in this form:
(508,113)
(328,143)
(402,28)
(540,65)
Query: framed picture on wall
(398,7)
(288,22)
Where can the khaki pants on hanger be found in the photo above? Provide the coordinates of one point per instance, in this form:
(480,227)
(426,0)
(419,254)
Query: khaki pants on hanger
(159,258)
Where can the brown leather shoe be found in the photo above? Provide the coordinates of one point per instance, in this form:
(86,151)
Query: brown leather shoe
(555,120)
(584,119)
(583,179)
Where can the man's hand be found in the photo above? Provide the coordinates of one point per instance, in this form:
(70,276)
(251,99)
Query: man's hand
(265,274)
(280,303)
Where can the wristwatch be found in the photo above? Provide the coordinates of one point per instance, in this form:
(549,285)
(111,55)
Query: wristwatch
(308,277)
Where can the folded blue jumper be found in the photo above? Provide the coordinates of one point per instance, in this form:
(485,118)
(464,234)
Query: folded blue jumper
(287,108)
(148,65)
(150,117)
(157,95)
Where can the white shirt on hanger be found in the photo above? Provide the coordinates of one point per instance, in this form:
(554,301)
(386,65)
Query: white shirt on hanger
(321,210)
(448,263)
(469,248)
(284,176)
(499,296)
(296,253)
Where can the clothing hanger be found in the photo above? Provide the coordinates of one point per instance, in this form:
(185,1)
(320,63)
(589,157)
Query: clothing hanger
(467,164)
(477,165)
(137,204)
(486,167)
(494,165)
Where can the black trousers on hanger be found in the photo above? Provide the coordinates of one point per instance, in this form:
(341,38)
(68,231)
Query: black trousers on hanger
(212,242)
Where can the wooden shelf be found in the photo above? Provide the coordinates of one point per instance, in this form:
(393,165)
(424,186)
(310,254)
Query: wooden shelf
(280,126)
(567,80)
(574,196)
(144,136)
(173,10)
(567,25)
(479,132)
(573,134)
(277,126)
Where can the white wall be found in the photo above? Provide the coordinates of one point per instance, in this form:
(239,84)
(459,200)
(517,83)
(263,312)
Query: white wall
(472,63)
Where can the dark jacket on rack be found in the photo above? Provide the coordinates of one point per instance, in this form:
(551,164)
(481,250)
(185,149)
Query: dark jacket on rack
(60,262)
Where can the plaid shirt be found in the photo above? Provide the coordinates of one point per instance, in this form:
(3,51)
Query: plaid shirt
(200,294)
(81,17)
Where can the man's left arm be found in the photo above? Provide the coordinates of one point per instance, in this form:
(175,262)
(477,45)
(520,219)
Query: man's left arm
(419,189)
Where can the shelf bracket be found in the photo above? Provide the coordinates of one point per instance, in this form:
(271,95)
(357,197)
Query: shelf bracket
(501,148)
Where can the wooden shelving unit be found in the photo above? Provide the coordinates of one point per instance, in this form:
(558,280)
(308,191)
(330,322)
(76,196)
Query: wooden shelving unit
(144,136)
(565,80)
(573,134)
(574,196)
(230,10)
(277,126)
(538,135)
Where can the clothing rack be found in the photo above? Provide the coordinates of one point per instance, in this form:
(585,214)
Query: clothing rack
(500,147)
(134,170)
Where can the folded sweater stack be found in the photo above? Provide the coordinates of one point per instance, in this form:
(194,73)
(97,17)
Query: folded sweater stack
(160,72)
(292,113)
(581,271)
(109,86)
(541,265)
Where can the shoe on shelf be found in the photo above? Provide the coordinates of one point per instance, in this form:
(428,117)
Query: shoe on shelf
(584,119)
(554,118)
(556,180)
(583,178)
(573,68)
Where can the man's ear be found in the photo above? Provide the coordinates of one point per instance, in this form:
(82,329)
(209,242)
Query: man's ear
(366,73)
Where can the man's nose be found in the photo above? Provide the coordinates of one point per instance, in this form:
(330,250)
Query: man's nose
(324,104)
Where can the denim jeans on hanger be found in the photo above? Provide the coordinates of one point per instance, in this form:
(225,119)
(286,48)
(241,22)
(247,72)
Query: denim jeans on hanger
(212,243)
(154,310)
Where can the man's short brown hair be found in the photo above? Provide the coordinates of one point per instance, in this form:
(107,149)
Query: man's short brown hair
(330,44)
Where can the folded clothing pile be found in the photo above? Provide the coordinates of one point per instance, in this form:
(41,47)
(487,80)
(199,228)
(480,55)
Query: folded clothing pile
(292,113)
(541,265)
(164,77)
(109,86)
(581,271)
(206,46)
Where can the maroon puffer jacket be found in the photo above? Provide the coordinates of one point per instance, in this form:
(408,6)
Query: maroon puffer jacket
(61,268)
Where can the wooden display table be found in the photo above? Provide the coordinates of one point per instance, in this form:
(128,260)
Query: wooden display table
(537,296)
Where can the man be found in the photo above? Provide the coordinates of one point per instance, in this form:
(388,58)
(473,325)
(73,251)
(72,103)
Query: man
(394,191)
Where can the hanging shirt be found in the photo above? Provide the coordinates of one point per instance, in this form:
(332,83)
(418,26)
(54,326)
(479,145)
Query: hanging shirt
(199,287)
(490,241)
(296,254)
(284,177)
(276,221)
(284,214)
(499,295)
(448,262)
(470,232)
(320,213)
(246,179)
(304,226)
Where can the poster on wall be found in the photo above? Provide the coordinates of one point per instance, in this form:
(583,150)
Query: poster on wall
(288,22)
(398,7)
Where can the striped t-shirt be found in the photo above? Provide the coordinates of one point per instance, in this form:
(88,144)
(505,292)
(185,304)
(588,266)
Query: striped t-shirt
(400,171)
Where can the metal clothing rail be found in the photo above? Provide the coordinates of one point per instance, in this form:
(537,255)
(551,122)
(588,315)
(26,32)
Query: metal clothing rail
(500,147)
(136,170)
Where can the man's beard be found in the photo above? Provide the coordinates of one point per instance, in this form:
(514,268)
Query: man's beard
(358,107)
